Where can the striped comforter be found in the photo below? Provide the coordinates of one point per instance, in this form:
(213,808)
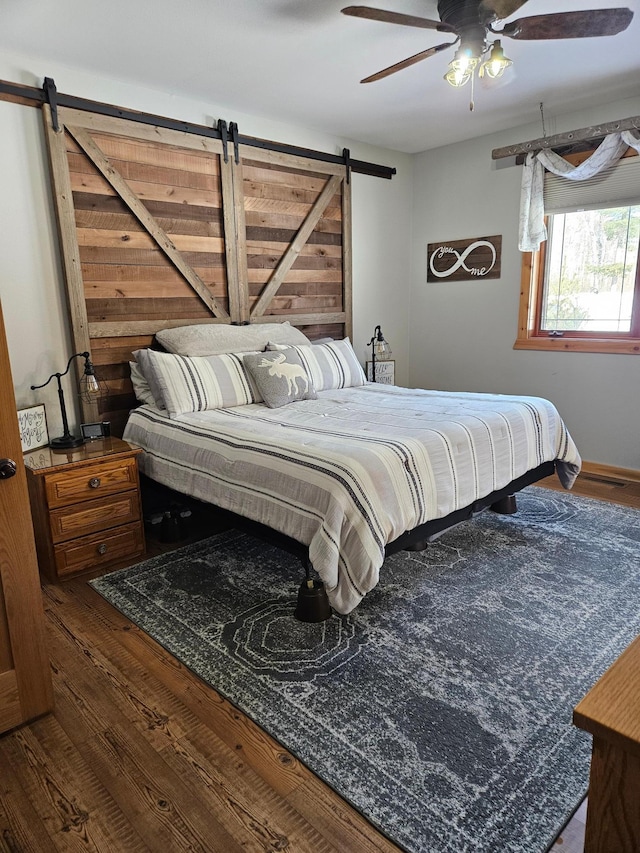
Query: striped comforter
(349,472)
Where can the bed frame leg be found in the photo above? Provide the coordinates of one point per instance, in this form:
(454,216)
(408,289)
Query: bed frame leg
(506,506)
(313,604)
(420,545)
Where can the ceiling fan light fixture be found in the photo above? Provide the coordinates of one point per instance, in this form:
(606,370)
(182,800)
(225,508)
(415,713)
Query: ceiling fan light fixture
(457,78)
(497,62)
(472,22)
(461,67)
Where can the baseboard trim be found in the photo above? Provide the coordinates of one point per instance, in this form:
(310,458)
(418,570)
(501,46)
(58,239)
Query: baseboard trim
(596,471)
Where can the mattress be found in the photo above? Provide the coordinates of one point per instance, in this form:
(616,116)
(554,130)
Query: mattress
(351,471)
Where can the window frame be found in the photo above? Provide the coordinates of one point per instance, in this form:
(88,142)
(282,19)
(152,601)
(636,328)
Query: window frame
(531,290)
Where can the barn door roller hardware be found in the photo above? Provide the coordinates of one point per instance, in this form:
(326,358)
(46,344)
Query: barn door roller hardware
(51,94)
(225,133)
(35,97)
(233,130)
(224,138)
(347,164)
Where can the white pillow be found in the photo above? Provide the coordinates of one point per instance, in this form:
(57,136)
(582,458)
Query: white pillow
(194,384)
(141,387)
(216,338)
(330,366)
(144,365)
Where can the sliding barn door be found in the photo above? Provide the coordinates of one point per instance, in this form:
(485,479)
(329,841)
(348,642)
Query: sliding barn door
(294,214)
(142,226)
(161,228)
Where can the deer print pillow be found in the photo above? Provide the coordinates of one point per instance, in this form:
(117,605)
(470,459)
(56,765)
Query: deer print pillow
(281,377)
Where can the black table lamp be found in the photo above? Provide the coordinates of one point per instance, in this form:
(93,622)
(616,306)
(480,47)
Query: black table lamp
(379,349)
(90,389)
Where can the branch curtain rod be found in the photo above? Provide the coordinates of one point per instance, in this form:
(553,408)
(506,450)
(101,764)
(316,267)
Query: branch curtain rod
(32,96)
(585,134)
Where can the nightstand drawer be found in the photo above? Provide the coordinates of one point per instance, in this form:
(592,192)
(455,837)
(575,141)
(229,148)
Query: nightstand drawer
(92,516)
(91,552)
(90,481)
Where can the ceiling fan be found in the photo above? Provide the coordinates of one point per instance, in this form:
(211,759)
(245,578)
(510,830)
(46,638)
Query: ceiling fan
(472,22)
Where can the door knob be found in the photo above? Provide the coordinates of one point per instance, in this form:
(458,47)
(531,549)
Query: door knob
(7,468)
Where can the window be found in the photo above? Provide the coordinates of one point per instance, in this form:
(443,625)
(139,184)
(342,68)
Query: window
(589,277)
(581,290)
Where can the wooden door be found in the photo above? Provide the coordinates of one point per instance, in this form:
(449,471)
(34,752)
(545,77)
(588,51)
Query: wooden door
(25,677)
(294,249)
(142,225)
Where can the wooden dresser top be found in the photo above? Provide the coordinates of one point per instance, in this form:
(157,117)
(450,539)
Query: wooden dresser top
(611,709)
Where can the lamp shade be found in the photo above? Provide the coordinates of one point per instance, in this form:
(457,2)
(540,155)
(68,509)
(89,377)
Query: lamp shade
(497,62)
(90,387)
(382,349)
(461,67)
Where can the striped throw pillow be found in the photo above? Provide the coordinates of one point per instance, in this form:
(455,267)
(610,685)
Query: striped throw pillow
(197,383)
(331,365)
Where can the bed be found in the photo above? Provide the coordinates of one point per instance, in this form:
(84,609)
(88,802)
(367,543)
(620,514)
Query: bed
(265,237)
(347,472)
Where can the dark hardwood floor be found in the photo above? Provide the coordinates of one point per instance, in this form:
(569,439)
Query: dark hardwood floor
(140,755)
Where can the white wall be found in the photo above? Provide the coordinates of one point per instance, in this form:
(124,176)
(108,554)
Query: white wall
(31,284)
(462,334)
(451,336)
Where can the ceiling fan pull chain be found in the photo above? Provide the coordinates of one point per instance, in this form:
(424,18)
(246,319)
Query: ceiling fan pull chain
(471,104)
(544,129)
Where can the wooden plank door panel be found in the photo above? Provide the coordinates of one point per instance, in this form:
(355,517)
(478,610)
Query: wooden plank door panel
(296,253)
(144,199)
(142,225)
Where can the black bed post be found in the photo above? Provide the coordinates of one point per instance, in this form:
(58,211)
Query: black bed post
(313,604)
(506,505)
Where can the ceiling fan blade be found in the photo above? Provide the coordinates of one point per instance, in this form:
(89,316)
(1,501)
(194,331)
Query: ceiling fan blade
(418,57)
(497,10)
(396,18)
(566,25)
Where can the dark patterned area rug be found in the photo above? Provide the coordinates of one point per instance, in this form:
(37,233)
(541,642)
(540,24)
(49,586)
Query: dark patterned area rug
(441,707)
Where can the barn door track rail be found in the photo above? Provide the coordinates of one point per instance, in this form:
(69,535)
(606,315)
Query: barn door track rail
(227,134)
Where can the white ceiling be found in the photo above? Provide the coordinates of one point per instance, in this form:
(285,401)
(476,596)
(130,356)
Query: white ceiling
(300,61)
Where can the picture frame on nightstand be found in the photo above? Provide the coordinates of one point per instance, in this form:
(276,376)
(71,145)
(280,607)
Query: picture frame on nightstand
(32,423)
(385,372)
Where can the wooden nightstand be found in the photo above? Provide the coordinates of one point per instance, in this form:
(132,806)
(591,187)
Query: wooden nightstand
(86,507)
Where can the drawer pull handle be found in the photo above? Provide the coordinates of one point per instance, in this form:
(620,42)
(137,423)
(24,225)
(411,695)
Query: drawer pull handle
(102,548)
(94,482)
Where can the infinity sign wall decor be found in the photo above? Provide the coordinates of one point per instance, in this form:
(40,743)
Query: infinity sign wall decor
(464,260)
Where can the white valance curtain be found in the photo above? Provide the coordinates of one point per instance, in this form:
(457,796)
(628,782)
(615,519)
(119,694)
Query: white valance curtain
(532,227)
